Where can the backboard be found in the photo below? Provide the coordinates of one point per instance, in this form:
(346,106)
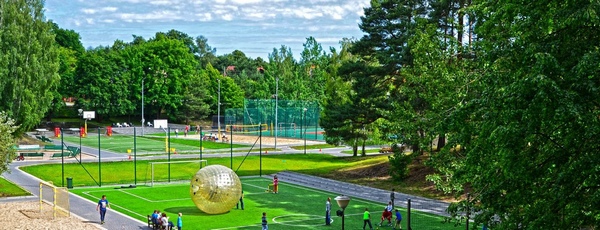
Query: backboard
(89,115)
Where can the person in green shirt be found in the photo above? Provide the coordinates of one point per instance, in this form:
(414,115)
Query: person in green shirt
(367,219)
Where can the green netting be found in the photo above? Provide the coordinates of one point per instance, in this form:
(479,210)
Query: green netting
(296,119)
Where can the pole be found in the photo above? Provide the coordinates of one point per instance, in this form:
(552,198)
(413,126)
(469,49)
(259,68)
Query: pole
(260,151)
(85,128)
(79,148)
(219,110)
(304,126)
(99,160)
(468,211)
(408,215)
(231,141)
(169,153)
(276,108)
(143,120)
(343,215)
(134,156)
(201,147)
(62,153)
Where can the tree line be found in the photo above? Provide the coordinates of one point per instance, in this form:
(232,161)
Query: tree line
(501,97)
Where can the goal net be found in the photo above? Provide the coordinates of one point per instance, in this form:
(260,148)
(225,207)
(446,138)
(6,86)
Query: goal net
(286,129)
(174,170)
(56,197)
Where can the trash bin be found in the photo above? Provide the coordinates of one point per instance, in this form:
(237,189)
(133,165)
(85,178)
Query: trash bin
(69,182)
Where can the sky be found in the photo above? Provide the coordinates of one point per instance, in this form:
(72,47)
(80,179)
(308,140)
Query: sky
(254,27)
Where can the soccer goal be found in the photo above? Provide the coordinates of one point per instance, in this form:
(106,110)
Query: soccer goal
(286,129)
(162,167)
(56,197)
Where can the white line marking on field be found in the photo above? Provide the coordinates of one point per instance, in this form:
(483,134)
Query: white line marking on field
(116,205)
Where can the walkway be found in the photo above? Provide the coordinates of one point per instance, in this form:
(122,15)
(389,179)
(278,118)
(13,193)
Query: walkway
(86,209)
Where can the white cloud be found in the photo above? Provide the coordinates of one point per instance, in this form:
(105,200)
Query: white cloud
(246,2)
(227,17)
(109,9)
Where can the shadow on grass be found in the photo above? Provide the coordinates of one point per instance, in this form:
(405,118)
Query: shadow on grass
(189,211)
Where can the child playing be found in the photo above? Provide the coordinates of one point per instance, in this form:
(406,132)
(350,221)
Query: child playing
(264,221)
(275,183)
(386,215)
(398,220)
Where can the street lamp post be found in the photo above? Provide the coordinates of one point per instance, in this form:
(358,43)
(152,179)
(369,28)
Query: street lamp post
(219,110)
(276,100)
(304,125)
(143,120)
(343,202)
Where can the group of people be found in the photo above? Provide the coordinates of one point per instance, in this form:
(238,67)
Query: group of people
(162,220)
(385,215)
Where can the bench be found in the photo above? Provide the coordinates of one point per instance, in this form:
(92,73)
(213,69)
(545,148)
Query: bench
(43,138)
(32,154)
(58,155)
(74,152)
(53,147)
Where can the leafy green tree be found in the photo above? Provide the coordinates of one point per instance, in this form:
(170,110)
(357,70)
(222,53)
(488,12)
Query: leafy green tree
(313,66)
(195,100)
(8,130)
(67,38)
(232,96)
(528,136)
(104,85)
(69,50)
(28,62)
(206,54)
(169,67)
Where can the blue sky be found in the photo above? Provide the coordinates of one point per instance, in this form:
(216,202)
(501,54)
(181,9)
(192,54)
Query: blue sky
(253,26)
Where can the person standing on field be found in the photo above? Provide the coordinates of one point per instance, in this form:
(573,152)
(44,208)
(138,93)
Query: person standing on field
(179,222)
(275,184)
(264,221)
(328,211)
(102,206)
(367,219)
(392,197)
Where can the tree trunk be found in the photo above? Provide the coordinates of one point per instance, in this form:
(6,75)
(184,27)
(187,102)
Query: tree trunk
(363,148)
(441,141)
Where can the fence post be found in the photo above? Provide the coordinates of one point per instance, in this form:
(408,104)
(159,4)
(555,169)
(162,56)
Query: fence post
(408,216)
(468,210)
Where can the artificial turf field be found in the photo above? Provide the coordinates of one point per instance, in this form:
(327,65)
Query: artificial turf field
(294,207)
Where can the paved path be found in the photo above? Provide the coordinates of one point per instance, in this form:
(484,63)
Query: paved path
(86,209)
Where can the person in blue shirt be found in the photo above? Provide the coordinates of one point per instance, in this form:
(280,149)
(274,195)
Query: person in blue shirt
(397,225)
(179,222)
(102,206)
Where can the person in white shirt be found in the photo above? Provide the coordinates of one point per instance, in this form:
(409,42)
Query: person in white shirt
(328,211)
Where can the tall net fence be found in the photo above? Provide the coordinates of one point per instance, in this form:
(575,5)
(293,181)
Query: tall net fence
(281,118)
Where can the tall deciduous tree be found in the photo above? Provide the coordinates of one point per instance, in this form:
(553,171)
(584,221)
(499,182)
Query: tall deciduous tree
(28,62)
(529,137)
(7,141)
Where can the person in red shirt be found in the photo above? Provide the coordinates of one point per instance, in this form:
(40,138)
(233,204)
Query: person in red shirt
(275,184)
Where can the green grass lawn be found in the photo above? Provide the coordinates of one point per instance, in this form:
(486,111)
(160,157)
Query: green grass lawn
(146,144)
(122,172)
(8,189)
(318,146)
(294,207)
(359,151)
